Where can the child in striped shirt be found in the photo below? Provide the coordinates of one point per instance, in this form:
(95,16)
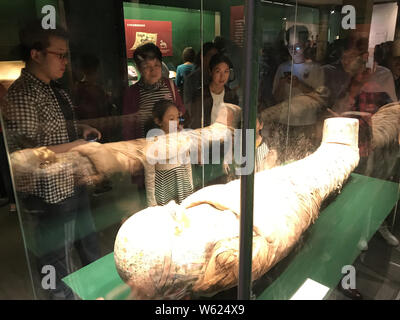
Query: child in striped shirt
(264,157)
(171,180)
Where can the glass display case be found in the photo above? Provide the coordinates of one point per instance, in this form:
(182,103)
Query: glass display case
(200,150)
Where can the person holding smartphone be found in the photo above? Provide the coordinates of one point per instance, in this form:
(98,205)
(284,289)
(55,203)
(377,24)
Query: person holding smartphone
(296,76)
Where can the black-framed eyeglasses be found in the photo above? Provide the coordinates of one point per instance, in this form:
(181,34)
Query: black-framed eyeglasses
(60,56)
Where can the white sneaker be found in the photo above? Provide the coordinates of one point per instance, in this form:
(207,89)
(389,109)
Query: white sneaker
(390,239)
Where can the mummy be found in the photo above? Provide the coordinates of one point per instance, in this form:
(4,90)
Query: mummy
(300,106)
(93,162)
(386,126)
(303,108)
(192,249)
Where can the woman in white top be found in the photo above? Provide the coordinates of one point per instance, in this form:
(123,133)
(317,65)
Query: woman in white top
(215,94)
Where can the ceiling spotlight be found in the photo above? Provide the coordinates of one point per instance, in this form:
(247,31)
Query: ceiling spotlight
(332,11)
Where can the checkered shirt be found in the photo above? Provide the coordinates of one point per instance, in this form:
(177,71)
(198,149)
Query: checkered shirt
(33,118)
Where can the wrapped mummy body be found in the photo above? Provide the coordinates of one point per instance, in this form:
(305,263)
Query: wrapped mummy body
(94,161)
(382,161)
(386,126)
(172,251)
(298,107)
(303,114)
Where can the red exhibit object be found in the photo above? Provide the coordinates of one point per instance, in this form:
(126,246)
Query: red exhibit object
(138,32)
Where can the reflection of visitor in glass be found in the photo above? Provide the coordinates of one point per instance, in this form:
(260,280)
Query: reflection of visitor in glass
(352,56)
(167,179)
(193,80)
(388,55)
(139,99)
(90,98)
(353,86)
(215,94)
(186,68)
(359,92)
(304,76)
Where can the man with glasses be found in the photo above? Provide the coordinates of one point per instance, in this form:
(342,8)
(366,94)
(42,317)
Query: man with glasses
(350,82)
(358,91)
(293,78)
(55,212)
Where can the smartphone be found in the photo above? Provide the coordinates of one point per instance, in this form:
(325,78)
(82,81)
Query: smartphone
(92,138)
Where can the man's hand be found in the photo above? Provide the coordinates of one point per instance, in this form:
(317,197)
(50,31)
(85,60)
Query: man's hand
(88,131)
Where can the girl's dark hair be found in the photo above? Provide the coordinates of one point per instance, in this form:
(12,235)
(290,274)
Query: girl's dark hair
(188,54)
(159,109)
(219,58)
(145,52)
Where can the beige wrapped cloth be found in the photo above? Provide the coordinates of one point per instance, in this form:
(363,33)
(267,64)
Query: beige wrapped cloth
(386,126)
(303,106)
(192,249)
(92,162)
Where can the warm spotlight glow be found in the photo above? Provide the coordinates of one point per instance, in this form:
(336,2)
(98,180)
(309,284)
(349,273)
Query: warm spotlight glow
(10,70)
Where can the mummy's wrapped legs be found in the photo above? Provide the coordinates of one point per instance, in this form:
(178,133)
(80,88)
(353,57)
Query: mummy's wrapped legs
(171,251)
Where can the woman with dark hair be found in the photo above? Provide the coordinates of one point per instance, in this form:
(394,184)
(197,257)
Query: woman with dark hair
(139,99)
(215,93)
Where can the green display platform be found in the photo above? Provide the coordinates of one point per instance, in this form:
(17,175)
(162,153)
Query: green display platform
(98,279)
(355,214)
